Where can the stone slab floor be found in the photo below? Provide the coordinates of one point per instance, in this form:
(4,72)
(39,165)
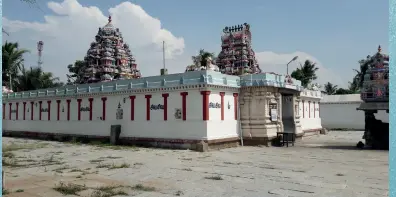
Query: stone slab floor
(325,165)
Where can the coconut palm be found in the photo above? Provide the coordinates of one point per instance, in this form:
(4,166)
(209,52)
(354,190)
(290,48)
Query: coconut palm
(306,73)
(35,78)
(75,75)
(330,88)
(200,59)
(12,62)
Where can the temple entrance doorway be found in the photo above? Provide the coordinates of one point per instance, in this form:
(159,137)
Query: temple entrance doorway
(288,113)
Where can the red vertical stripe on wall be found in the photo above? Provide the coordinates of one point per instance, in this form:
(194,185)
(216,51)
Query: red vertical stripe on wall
(4,106)
(309,109)
(104,99)
(40,107)
(49,110)
(165,96)
(31,110)
(58,109)
(9,113)
(184,105)
(68,109)
(235,106)
(205,105)
(132,98)
(17,110)
(303,102)
(148,97)
(24,110)
(222,104)
(90,108)
(78,109)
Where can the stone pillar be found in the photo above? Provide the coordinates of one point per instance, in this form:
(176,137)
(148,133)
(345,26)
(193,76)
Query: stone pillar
(297,115)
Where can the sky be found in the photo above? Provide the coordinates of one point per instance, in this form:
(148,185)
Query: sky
(333,34)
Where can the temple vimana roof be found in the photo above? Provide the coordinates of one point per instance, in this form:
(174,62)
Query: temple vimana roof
(109,57)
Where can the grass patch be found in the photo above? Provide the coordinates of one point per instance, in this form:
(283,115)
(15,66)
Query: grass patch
(113,166)
(79,176)
(141,187)
(339,174)
(112,157)
(60,169)
(186,159)
(179,193)
(69,189)
(5,192)
(217,178)
(75,170)
(187,169)
(15,147)
(96,160)
(19,190)
(8,154)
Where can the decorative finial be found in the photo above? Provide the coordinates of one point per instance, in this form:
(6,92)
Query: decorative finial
(379,49)
(109,19)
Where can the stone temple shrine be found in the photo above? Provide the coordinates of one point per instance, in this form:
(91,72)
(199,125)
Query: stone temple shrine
(109,57)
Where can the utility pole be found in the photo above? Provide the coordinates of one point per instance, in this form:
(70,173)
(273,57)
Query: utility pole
(164,71)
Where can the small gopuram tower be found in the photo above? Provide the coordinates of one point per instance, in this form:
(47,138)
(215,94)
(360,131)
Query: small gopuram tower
(109,57)
(376,80)
(237,56)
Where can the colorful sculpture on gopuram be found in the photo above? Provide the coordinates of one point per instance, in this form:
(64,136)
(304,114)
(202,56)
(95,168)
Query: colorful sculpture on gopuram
(109,57)
(237,56)
(376,80)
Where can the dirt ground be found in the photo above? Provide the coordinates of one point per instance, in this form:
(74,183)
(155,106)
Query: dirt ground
(325,165)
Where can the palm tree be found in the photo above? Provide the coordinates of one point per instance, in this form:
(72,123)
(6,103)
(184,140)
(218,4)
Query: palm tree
(12,62)
(306,73)
(35,78)
(200,59)
(330,89)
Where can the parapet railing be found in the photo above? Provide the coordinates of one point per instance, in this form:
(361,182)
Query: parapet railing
(191,78)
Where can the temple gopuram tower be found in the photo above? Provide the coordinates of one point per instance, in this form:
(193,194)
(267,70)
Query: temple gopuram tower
(237,56)
(109,57)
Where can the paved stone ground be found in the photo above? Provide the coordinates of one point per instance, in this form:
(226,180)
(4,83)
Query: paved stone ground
(326,165)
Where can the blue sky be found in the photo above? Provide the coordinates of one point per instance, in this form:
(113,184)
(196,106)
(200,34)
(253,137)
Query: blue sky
(337,33)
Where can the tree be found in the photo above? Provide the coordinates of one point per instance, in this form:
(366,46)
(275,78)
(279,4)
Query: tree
(12,62)
(343,91)
(75,75)
(306,73)
(200,59)
(36,78)
(330,89)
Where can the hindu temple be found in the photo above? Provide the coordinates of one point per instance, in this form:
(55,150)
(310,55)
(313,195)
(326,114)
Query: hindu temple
(237,56)
(109,57)
(376,79)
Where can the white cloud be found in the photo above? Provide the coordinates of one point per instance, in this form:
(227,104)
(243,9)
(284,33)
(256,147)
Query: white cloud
(273,62)
(69,30)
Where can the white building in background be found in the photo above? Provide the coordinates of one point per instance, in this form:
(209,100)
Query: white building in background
(340,112)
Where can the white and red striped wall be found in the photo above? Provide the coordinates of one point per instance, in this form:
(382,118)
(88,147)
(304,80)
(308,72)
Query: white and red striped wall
(145,114)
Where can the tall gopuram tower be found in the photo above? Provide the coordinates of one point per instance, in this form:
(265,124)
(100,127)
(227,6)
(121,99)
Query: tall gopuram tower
(109,57)
(376,80)
(237,56)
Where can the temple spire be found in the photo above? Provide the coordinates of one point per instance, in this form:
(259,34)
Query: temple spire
(109,19)
(379,48)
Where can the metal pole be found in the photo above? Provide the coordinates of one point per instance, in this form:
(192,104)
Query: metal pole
(163,53)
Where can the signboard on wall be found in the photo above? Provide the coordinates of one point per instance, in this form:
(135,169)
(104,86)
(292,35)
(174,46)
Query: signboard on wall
(274,115)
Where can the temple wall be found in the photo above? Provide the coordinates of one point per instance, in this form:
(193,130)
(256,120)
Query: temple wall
(310,112)
(339,112)
(142,120)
